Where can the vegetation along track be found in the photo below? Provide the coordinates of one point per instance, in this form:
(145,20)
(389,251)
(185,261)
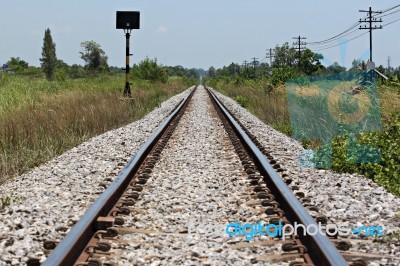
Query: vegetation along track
(185,181)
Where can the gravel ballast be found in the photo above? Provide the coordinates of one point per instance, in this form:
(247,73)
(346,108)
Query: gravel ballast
(347,199)
(52,197)
(198,185)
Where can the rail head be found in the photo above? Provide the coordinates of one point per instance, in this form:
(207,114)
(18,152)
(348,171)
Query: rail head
(319,247)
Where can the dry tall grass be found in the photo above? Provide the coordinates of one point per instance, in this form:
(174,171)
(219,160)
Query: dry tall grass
(50,123)
(270,106)
(390,101)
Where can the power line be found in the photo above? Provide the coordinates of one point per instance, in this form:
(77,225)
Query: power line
(341,42)
(358,36)
(391,13)
(349,33)
(337,35)
(326,33)
(391,8)
(391,22)
(352,29)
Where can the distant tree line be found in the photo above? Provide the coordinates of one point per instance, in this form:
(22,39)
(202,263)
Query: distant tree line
(149,69)
(95,62)
(287,64)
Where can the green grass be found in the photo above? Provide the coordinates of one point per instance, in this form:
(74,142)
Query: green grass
(40,119)
(17,91)
(272,108)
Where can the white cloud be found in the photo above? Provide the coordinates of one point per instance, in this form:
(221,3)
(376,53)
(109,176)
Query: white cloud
(162,29)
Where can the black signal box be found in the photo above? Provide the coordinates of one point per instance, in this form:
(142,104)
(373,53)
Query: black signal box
(128,20)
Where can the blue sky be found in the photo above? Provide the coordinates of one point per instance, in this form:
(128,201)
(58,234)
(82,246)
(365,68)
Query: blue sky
(192,33)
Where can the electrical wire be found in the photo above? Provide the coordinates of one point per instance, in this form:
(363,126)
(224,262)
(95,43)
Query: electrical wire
(352,29)
(391,13)
(336,36)
(325,48)
(391,22)
(349,31)
(358,36)
(387,10)
(347,34)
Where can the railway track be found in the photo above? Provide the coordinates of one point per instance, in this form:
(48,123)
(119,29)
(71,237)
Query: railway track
(149,204)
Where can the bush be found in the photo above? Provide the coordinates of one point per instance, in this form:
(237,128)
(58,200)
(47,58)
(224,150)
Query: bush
(385,171)
(148,69)
(60,75)
(242,101)
(34,72)
(281,75)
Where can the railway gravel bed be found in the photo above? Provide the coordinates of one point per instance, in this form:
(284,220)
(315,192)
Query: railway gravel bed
(198,182)
(195,190)
(52,197)
(348,199)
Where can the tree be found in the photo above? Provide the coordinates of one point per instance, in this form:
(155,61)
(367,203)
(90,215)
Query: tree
(61,64)
(310,62)
(49,59)
(94,56)
(233,69)
(381,69)
(284,56)
(149,69)
(212,72)
(335,68)
(357,64)
(397,72)
(77,71)
(179,71)
(15,63)
(192,73)
(264,69)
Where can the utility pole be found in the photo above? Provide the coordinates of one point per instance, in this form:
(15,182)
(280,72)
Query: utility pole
(299,43)
(270,55)
(370,20)
(245,66)
(255,63)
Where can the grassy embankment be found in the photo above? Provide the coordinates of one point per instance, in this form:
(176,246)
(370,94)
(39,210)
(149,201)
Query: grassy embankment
(272,108)
(41,119)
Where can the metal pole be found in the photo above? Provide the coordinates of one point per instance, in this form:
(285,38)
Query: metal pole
(370,20)
(270,57)
(127,90)
(370,34)
(299,51)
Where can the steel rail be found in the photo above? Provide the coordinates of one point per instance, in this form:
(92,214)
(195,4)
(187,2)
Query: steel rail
(319,247)
(74,243)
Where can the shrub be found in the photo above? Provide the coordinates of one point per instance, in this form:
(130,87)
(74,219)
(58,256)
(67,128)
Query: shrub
(242,101)
(385,171)
(148,69)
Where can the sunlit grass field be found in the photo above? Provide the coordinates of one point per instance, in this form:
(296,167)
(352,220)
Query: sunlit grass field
(40,119)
